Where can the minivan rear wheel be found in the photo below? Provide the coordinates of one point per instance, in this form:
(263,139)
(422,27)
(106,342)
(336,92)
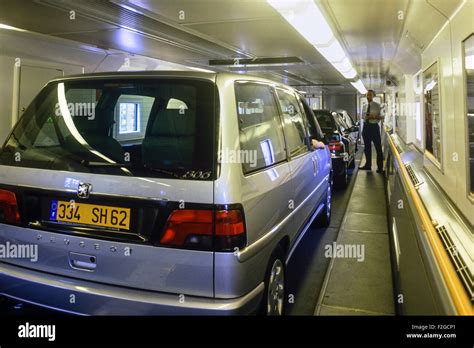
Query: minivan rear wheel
(273,301)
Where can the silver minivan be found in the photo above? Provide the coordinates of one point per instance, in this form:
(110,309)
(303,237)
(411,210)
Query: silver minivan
(159,193)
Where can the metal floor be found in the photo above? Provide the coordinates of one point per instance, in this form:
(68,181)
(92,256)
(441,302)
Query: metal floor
(353,287)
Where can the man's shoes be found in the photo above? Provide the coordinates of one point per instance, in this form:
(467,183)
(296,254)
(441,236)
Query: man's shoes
(379,170)
(366,167)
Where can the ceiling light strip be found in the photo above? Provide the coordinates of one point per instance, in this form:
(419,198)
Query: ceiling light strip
(306,17)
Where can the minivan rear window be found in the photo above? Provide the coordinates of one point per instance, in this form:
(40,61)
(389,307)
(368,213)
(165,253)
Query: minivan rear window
(137,127)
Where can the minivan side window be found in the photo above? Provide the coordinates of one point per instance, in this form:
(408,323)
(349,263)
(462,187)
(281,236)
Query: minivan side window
(294,126)
(262,143)
(314,129)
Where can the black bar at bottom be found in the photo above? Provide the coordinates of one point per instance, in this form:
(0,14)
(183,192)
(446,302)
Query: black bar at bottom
(454,331)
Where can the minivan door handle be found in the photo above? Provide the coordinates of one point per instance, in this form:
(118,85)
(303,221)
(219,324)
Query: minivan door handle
(315,166)
(82,262)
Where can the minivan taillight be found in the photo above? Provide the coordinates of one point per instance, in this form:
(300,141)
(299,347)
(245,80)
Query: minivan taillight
(9,212)
(336,147)
(193,228)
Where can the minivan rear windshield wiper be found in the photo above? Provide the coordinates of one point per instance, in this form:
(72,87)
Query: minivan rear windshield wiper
(162,171)
(120,165)
(105,164)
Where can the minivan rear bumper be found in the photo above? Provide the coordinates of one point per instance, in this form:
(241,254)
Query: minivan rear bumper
(90,298)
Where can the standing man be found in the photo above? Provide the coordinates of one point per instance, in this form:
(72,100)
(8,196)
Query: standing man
(371,132)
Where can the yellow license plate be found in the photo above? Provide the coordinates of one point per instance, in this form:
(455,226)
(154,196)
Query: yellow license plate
(90,214)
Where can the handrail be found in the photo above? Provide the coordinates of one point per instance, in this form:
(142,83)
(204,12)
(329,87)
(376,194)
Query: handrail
(456,289)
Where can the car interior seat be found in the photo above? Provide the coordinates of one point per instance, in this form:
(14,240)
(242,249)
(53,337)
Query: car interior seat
(169,139)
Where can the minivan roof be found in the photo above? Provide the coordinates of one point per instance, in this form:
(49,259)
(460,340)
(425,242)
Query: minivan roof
(138,74)
(169,73)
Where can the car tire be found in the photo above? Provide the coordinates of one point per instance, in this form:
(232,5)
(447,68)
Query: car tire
(273,301)
(340,181)
(324,218)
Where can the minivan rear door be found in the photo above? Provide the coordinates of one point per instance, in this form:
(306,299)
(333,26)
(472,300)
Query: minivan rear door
(98,165)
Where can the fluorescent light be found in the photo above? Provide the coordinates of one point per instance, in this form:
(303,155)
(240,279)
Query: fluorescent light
(306,17)
(345,68)
(332,52)
(350,74)
(8,27)
(344,65)
(359,86)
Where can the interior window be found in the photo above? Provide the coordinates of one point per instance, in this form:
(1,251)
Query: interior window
(294,127)
(418,121)
(131,116)
(261,136)
(469,66)
(432,112)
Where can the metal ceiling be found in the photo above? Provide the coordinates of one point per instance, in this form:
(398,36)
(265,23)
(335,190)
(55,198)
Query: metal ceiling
(380,44)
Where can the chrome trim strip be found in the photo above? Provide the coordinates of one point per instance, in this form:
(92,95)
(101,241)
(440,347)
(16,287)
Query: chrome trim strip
(55,189)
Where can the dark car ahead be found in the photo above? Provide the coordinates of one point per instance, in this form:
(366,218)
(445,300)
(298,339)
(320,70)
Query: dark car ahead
(340,142)
(351,126)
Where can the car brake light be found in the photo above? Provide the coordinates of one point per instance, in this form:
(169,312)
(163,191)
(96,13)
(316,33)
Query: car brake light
(336,147)
(194,229)
(183,223)
(9,212)
(229,223)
